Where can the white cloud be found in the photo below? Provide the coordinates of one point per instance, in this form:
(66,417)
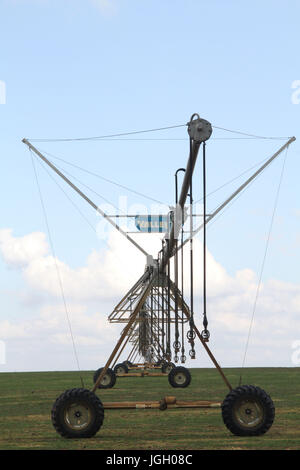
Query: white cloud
(14,330)
(106,274)
(19,252)
(92,291)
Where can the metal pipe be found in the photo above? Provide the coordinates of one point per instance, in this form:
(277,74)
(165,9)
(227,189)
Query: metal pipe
(204,241)
(169,247)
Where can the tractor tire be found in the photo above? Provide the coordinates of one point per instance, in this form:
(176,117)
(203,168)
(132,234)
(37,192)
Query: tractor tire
(77,413)
(248,411)
(108,380)
(121,368)
(167,367)
(127,363)
(179,377)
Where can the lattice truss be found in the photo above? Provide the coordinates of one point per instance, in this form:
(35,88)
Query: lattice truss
(163,311)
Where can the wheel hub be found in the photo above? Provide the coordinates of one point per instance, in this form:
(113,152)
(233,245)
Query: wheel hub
(249,413)
(77,416)
(105,380)
(179,378)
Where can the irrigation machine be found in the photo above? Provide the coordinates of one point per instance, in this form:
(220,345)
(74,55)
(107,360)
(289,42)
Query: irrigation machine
(159,324)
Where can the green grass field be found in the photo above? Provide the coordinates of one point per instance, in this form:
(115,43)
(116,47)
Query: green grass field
(27,398)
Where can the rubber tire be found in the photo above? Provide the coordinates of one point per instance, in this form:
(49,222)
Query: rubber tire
(167,366)
(248,392)
(123,366)
(77,395)
(127,363)
(112,375)
(174,372)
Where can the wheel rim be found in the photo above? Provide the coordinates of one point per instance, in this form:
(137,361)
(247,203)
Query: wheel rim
(179,378)
(249,413)
(106,380)
(168,369)
(77,416)
(120,370)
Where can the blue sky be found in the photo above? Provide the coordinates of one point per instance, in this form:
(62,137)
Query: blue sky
(86,68)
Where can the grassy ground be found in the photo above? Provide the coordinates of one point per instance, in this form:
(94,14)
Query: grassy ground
(26,400)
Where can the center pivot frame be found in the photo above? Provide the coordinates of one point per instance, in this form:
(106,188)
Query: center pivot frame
(246,410)
(199,131)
